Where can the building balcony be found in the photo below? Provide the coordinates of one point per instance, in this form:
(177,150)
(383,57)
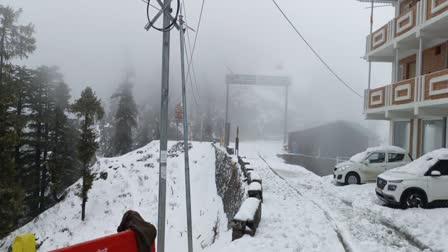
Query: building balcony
(428,18)
(421,96)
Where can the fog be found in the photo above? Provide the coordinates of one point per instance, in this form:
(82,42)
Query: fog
(94,42)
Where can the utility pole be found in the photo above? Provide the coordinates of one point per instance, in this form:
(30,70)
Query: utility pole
(370,45)
(227,124)
(186,146)
(163,131)
(285,126)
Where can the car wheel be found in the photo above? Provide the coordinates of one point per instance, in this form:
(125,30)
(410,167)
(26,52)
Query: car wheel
(414,199)
(352,179)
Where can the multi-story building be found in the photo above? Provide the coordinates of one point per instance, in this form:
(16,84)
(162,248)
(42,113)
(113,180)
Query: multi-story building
(415,41)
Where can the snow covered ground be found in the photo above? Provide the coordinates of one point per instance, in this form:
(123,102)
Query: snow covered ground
(132,183)
(301,211)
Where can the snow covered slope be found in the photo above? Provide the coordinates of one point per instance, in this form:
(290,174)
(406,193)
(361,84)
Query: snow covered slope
(132,183)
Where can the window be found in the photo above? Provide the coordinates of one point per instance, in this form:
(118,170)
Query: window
(433,135)
(438,50)
(402,131)
(395,157)
(411,70)
(441,166)
(377,157)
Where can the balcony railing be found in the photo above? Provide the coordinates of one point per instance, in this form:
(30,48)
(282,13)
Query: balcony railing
(418,91)
(420,14)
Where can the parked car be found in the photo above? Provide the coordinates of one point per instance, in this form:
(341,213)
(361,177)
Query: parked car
(415,185)
(366,166)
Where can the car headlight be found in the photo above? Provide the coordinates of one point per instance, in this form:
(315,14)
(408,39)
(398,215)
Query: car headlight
(395,181)
(343,168)
(392,187)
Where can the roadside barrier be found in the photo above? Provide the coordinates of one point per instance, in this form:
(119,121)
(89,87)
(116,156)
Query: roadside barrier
(254,177)
(247,219)
(255,191)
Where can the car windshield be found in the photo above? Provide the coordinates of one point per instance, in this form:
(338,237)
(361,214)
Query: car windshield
(421,165)
(358,158)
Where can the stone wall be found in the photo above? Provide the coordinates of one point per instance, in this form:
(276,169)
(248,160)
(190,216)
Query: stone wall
(228,183)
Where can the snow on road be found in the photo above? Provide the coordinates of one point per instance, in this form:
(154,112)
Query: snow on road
(289,222)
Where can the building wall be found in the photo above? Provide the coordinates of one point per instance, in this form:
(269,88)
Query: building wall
(434,59)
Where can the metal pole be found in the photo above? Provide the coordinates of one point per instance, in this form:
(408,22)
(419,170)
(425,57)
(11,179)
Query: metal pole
(163,133)
(370,43)
(187,168)
(226,125)
(285,129)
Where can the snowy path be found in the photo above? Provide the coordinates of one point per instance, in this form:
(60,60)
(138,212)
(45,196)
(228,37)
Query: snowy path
(305,212)
(359,231)
(288,223)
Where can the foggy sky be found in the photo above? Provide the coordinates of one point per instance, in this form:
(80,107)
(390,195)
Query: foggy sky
(94,41)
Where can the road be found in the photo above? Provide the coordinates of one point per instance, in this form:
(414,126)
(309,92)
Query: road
(305,212)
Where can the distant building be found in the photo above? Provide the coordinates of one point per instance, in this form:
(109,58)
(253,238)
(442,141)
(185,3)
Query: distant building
(416,102)
(319,148)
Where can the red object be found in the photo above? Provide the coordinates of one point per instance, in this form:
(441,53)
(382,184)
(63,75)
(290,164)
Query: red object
(119,242)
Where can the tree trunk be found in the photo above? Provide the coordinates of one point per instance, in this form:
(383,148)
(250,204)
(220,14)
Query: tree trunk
(84,173)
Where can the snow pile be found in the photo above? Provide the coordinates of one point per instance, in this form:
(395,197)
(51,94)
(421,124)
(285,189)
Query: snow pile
(254,186)
(132,183)
(247,210)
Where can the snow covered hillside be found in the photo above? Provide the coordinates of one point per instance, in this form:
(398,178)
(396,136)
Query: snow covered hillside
(132,183)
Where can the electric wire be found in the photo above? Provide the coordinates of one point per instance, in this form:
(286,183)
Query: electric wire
(190,62)
(315,52)
(196,37)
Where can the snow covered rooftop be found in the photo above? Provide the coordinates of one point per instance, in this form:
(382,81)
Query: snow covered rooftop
(388,148)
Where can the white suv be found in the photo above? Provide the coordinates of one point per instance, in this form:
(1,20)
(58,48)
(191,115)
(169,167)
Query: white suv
(415,185)
(366,166)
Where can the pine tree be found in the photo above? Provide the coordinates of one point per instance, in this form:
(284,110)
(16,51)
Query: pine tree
(41,113)
(21,82)
(125,120)
(62,162)
(148,129)
(88,108)
(10,193)
(16,41)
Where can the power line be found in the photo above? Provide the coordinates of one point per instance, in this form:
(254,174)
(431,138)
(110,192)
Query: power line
(315,52)
(190,62)
(196,37)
